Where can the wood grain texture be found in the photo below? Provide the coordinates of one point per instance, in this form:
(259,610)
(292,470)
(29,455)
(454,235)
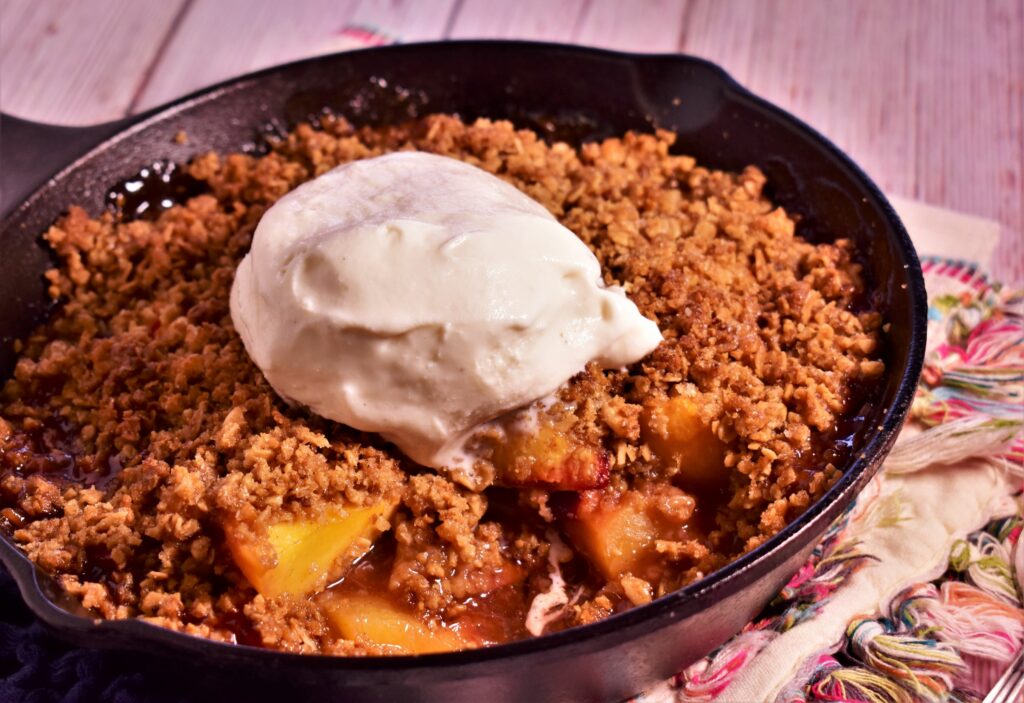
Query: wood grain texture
(222,38)
(266,33)
(406,20)
(78,62)
(927,95)
(544,20)
(646,26)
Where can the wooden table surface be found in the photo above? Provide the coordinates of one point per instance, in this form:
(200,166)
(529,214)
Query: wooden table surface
(927,95)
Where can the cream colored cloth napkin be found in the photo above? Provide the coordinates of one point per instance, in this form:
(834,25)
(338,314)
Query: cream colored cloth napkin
(937,231)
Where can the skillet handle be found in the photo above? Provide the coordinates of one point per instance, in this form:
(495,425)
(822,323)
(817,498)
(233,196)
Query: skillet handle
(31,152)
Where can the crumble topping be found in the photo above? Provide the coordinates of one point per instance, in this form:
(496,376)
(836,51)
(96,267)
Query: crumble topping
(135,427)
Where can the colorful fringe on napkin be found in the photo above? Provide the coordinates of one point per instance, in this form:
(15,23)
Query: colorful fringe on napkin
(946,640)
(975,363)
(939,641)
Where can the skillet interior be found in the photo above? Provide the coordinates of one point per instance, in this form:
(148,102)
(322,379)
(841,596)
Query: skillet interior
(566,92)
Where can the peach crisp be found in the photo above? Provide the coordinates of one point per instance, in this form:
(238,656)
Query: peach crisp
(147,464)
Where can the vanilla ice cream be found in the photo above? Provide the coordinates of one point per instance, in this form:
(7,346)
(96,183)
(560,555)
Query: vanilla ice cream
(417,296)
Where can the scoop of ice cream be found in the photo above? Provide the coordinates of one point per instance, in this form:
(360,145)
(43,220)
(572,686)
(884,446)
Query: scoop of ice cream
(417,296)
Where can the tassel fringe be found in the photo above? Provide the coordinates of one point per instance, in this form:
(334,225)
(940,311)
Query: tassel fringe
(986,562)
(926,667)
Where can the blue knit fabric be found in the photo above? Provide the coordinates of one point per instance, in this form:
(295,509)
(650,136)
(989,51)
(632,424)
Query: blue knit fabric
(36,667)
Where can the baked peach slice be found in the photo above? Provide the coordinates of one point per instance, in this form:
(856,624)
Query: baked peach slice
(374,619)
(677,435)
(550,457)
(616,535)
(618,532)
(301,557)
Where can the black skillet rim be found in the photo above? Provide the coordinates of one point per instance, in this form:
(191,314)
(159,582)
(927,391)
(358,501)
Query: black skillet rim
(737,573)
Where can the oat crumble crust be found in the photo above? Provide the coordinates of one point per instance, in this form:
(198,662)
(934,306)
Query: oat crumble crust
(140,390)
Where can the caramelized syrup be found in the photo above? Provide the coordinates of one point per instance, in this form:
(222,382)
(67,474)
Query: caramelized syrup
(241,627)
(53,450)
(154,189)
(836,445)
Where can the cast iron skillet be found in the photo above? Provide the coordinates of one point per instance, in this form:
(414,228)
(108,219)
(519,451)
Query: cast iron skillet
(564,91)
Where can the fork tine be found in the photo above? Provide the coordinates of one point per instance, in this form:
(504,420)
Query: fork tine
(1009,686)
(996,694)
(1014,695)
(1012,692)
(1004,693)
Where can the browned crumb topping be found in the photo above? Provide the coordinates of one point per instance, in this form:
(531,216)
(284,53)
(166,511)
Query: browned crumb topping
(136,427)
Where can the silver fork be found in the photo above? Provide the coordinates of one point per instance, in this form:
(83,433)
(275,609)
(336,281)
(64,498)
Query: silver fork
(1010,686)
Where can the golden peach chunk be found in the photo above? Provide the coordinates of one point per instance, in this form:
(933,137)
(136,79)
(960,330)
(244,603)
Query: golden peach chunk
(373,619)
(302,557)
(617,536)
(550,457)
(675,432)
(618,532)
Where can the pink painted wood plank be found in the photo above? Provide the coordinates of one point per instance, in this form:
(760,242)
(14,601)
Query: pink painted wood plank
(547,20)
(406,20)
(262,34)
(222,38)
(78,62)
(650,26)
(926,96)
